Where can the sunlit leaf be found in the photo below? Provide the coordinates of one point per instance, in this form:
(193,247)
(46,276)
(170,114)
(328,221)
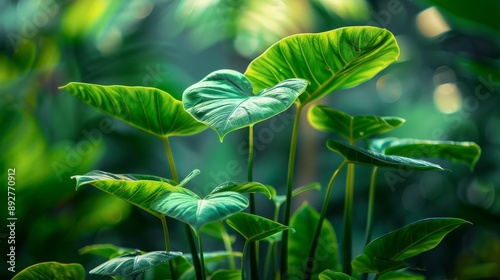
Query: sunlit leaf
(305,221)
(224,100)
(244,187)
(332,275)
(254,227)
(226,274)
(332,60)
(188,207)
(325,118)
(149,109)
(131,264)
(362,156)
(465,152)
(139,190)
(403,243)
(51,271)
(108,251)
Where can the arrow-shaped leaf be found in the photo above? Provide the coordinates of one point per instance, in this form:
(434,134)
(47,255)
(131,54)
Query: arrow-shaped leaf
(325,118)
(465,152)
(131,264)
(224,100)
(362,156)
(244,187)
(188,207)
(403,243)
(149,109)
(254,227)
(139,190)
(336,59)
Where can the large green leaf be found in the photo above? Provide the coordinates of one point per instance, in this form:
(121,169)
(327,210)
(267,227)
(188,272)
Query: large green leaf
(254,227)
(224,100)
(188,207)
(403,243)
(465,152)
(149,109)
(132,264)
(107,251)
(139,190)
(212,261)
(305,221)
(332,60)
(226,274)
(244,187)
(325,118)
(362,156)
(401,275)
(52,271)
(332,275)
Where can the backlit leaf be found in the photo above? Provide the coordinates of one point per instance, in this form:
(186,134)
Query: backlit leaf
(254,227)
(52,271)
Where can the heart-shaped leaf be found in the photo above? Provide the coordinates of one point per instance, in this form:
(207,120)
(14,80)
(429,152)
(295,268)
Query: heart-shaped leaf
(254,227)
(332,60)
(224,100)
(403,243)
(149,109)
(188,207)
(108,251)
(51,271)
(132,264)
(465,152)
(304,221)
(362,156)
(332,275)
(139,190)
(244,187)
(325,118)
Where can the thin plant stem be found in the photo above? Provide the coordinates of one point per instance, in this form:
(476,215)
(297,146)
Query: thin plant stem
(243,261)
(229,248)
(202,260)
(289,184)
(322,216)
(167,246)
(254,268)
(348,218)
(371,206)
(187,228)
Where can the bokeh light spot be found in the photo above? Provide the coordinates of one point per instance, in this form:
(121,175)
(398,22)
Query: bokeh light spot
(431,23)
(447,98)
(389,88)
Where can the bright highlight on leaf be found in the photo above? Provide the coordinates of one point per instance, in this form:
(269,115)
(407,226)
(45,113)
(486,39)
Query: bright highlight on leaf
(362,156)
(149,109)
(224,100)
(52,270)
(332,60)
(464,152)
(325,118)
(403,243)
(132,264)
(332,275)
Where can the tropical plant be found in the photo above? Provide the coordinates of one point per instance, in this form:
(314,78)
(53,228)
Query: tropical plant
(297,70)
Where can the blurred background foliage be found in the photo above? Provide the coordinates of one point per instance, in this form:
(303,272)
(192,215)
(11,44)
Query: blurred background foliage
(446,84)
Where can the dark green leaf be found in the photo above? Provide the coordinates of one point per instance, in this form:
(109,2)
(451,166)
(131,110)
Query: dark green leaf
(244,187)
(403,243)
(332,60)
(224,100)
(188,207)
(305,221)
(225,274)
(149,109)
(212,260)
(362,156)
(465,152)
(400,275)
(52,271)
(254,227)
(131,264)
(332,275)
(139,190)
(107,251)
(325,118)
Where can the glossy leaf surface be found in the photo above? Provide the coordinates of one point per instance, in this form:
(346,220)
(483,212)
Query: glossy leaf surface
(224,100)
(332,60)
(244,187)
(107,251)
(132,264)
(226,274)
(254,227)
(464,152)
(149,109)
(305,221)
(362,156)
(325,118)
(403,243)
(52,271)
(333,275)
